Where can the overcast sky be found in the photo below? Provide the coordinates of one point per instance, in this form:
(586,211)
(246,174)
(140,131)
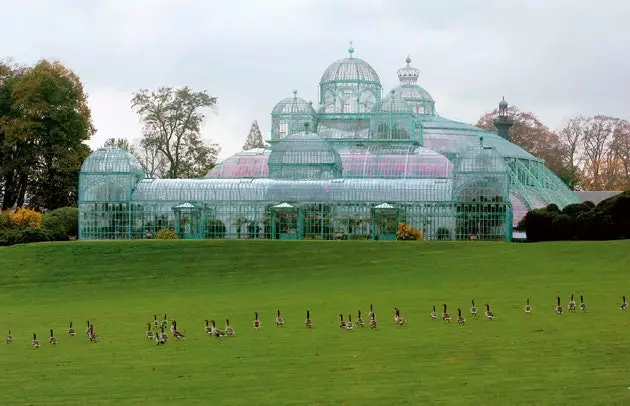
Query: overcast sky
(556,58)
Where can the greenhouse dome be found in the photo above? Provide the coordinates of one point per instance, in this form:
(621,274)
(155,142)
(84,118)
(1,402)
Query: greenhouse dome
(353,168)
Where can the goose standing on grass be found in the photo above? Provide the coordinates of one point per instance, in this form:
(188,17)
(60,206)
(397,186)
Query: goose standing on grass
(349,324)
(207,328)
(460,319)
(582,305)
(35,342)
(156,324)
(308,322)
(528,308)
(176,333)
(371,314)
(87,330)
(398,318)
(342,324)
(434,315)
(279,320)
(559,309)
(372,320)
(360,321)
(473,308)
(624,304)
(256,321)
(228,329)
(445,315)
(489,314)
(149,332)
(52,338)
(93,336)
(215,331)
(165,321)
(159,338)
(71,330)
(163,335)
(9,338)
(571,307)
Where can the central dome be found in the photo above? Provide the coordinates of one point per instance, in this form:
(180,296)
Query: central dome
(350,69)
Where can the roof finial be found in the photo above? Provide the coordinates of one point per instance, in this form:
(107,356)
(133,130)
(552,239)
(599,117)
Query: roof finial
(408,60)
(294,92)
(351,49)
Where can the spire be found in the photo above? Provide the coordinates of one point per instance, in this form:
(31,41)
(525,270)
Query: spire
(408,75)
(350,49)
(295,93)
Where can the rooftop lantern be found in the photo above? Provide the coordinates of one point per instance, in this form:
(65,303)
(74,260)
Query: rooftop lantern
(503,122)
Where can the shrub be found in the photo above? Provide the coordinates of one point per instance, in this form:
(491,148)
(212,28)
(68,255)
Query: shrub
(576,208)
(26,218)
(552,208)
(24,236)
(166,234)
(215,228)
(5,220)
(538,223)
(62,223)
(443,233)
(407,232)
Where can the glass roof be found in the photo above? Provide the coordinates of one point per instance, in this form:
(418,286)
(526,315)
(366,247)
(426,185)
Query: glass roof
(112,161)
(350,69)
(293,105)
(392,104)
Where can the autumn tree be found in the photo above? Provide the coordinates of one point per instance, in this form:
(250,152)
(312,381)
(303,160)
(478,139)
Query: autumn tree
(172,120)
(254,138)
(536,138)
(44,122)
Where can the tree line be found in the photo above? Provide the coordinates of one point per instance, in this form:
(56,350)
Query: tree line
(45,124)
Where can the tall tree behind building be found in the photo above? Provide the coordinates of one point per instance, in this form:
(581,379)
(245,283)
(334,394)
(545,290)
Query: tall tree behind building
(172,120)
(254,138)
(44,122)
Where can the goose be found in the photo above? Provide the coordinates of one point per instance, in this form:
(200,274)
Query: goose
(35,342)
(582,305)
(371,314)
(624,304)
(215,331)
(528,308)
(149,332)
(165,321)
(473,309)
(372,320)
(489,314)
(434,314)
(342,324)
(559,309)
(460,318)
(349,324)
(9,338)
(93,336)
(398,318)
(445,315)
(156,324)
(360,321)
(163,335)
(308,322)
(87,330)
(159,338)
(571,307)
(228,329)
(279,320)
(52,338)
(176,333)
(71,330)
(256,321)
(207,328)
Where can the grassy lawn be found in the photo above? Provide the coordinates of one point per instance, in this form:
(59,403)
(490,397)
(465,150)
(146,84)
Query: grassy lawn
(541,358)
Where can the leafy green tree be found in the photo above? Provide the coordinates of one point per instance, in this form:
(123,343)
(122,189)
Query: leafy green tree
(44,122)
(172,120)
(254,138)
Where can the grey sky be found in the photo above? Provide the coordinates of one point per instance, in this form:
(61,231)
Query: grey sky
(556,58)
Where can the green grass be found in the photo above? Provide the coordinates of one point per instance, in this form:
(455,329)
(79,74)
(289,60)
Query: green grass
(515,359)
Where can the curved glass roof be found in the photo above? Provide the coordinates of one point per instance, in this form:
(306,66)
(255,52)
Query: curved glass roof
(392,104)
(112,161)
(412,93)
(350,69)
(293,105)
(245,164)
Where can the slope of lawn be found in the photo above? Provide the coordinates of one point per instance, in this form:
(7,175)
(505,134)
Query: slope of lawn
(542,358)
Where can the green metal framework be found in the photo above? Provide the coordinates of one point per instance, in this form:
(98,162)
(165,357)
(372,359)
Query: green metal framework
(370,164)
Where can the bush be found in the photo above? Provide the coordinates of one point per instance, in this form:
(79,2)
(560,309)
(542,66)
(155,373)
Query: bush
(407,232)
(443,233)
(62,223)
(26,218)
(538,223)
(215,228)
(24,236)
(166,234)
(5,220)
(552,208)
(576,208)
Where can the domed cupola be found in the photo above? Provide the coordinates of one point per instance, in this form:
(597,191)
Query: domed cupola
(419,99)
(349,86)
(290,114)
(392,119)
(304,156)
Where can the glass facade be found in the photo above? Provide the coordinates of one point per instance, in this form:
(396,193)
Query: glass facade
(352,169)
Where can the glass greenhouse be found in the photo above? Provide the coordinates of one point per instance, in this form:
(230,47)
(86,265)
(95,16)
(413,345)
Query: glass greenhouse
(354,168)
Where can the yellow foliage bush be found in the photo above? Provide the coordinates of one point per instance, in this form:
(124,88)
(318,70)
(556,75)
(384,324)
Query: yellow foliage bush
(26,218)
(166,234)
(408,232)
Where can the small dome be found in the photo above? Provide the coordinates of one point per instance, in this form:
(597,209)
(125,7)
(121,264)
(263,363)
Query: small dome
(350,69)
(503,103)
(113,161)
(251,163)
(305,156)
(293,105)
(412,93)
(408,74)
(392,104)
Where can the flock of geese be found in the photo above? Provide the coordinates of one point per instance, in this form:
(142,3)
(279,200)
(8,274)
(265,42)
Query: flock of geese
(161,336)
